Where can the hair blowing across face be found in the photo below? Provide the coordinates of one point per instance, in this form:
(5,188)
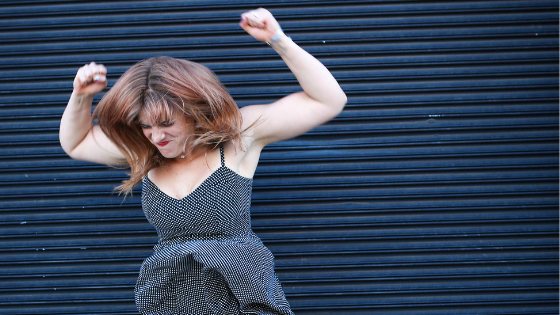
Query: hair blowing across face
(162,87)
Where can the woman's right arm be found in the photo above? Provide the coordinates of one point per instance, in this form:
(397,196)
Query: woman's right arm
(78,137)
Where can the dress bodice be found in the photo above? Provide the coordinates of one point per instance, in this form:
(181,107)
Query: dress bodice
(217,209)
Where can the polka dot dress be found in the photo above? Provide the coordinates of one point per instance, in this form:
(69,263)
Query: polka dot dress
(207,260)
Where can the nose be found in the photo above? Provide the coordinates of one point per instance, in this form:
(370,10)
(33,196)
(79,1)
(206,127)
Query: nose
(157,134)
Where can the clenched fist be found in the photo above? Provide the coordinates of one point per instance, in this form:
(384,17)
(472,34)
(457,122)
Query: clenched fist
(90,79)
(260,24)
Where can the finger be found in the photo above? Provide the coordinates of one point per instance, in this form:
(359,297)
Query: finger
(82,80)
(99,78)
(244,25)
(88,74)
(253,18)
(96,67)
(252,23)
(263,16)
(101,69)
(99,73)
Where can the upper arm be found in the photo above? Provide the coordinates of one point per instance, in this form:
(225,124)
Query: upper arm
(97,147)
(288,117)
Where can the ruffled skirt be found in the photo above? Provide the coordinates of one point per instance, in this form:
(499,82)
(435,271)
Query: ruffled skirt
(210,277)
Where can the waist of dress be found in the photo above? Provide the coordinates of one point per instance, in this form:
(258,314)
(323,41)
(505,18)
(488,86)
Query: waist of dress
(170,241)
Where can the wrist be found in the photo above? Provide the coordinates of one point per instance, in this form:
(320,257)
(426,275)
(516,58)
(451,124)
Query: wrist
(279,41)
(276,37)
(82,94)
(81,99)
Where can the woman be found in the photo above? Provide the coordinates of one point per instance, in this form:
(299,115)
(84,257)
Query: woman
(182,135)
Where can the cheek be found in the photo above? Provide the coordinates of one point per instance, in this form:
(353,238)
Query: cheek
(176,132)
(147,133)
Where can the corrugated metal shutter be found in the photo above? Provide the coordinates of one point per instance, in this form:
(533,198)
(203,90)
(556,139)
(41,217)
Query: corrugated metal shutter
(434,192)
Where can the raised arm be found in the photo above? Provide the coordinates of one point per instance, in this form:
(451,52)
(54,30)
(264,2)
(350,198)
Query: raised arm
(78,137)
(322,98)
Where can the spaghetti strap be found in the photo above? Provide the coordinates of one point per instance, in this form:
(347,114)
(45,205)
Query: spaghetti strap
(222,159)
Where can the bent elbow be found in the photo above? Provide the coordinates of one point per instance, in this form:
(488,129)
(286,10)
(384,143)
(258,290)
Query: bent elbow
(69,147)
(68,150)
(338,103)
(65,147)
(343,100)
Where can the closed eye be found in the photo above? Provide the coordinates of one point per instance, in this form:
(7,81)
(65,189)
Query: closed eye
(167,124)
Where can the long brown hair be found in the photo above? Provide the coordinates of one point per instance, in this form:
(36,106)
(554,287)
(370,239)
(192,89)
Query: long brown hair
(161,87)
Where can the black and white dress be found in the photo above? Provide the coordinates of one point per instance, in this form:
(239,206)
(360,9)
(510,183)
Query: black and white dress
(207,260)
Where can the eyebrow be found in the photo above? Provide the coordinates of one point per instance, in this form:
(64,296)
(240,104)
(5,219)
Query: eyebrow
(163,121)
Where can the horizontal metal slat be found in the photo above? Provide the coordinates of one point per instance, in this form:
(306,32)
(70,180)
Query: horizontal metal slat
(460,75)
(268,175)
(253,68)
(215,39)
(343,8)
(343,49)
(185,25)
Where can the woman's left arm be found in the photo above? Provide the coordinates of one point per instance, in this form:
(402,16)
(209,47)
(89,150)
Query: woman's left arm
(322,98)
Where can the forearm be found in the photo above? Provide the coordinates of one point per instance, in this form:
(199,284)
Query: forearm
(315,79)
(76,122)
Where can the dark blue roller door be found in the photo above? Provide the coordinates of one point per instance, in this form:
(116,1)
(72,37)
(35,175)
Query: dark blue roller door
(434,192)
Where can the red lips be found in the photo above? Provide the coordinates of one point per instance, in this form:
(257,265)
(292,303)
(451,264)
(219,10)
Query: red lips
(162,144)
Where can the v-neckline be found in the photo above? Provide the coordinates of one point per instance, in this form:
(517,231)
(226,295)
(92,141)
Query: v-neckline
(192,192)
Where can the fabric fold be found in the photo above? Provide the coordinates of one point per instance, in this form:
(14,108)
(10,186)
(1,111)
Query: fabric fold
(232,276)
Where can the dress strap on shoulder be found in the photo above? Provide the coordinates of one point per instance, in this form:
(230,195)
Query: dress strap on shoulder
(222,159)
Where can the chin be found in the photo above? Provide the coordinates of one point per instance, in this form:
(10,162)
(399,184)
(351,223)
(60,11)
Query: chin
(168,155)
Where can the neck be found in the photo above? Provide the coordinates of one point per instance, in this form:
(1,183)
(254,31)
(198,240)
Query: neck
(188,157)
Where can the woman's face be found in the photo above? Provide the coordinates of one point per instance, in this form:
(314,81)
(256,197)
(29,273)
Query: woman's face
(170,137)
